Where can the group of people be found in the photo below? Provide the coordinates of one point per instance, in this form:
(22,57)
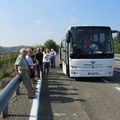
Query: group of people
(30,62)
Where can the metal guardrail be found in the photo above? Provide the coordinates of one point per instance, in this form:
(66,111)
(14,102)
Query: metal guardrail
(8,91)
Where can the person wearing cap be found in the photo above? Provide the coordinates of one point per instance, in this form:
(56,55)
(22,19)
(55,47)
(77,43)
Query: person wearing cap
(21,68)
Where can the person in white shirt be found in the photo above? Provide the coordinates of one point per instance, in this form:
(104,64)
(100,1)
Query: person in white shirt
(29,58)
(46,61)
(52,59)
(31,65)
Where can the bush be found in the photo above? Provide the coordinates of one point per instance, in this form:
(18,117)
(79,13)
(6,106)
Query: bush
(6,63)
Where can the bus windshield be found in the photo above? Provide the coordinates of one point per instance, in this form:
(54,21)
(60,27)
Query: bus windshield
(96,40)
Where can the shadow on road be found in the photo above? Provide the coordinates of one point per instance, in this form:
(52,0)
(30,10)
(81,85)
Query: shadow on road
(57,89)
(19,116)
(60,88)
(45,111)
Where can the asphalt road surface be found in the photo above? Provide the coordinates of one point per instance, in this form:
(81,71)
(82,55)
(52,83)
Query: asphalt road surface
(63,98)
(85,99)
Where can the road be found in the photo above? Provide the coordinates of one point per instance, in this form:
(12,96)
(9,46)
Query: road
(85,99)
(63,98)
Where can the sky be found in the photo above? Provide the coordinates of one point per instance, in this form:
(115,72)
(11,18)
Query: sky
(33,22)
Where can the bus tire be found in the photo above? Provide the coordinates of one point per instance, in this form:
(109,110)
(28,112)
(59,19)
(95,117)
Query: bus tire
(67,71)
(60,65)
(77,79)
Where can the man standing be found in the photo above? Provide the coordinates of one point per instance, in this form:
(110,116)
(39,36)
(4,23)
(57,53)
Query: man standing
(53,55)
(21,67)
(39,58)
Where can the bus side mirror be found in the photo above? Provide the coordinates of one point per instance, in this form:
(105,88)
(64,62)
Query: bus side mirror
(118,36)
(68,37)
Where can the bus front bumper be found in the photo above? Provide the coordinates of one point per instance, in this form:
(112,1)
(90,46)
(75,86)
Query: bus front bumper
(91,73)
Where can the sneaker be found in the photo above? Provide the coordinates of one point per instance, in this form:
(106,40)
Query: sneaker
(32,97)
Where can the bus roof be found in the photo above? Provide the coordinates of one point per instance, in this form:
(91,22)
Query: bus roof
(79,27)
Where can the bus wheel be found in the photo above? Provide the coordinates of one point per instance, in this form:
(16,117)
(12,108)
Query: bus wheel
(60,65)
(67,71)
(77,79)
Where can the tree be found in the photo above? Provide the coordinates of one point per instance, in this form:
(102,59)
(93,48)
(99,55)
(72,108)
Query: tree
(51,44)
(116,45)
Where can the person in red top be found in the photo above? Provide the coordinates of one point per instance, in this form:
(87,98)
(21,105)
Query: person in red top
(86,43)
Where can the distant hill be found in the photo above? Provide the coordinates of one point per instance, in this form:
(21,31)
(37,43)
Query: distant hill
(11,49)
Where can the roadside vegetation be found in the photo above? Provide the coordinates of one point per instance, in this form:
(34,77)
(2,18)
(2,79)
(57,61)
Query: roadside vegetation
(7,60)
(116,45)
(7,63)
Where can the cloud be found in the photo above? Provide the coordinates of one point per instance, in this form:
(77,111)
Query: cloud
(1,13)
(37,21)
(48,33)
(73,20)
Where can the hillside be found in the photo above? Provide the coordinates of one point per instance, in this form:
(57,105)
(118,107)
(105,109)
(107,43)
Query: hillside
(11,49)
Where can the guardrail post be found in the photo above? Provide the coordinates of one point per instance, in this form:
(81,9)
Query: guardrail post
(5,112)
(18,91)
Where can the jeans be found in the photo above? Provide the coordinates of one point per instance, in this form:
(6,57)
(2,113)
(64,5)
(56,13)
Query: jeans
(53,61)
(39,68)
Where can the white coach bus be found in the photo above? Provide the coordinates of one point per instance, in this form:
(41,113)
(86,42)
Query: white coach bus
(87,51)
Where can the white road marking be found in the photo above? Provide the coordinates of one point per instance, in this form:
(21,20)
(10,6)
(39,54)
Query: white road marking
(63,114)
(105,81)
(59,114)
(35,104)
(75,115)
(116,70)
(118,88)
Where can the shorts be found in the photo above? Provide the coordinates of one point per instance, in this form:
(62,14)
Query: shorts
(46,65)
